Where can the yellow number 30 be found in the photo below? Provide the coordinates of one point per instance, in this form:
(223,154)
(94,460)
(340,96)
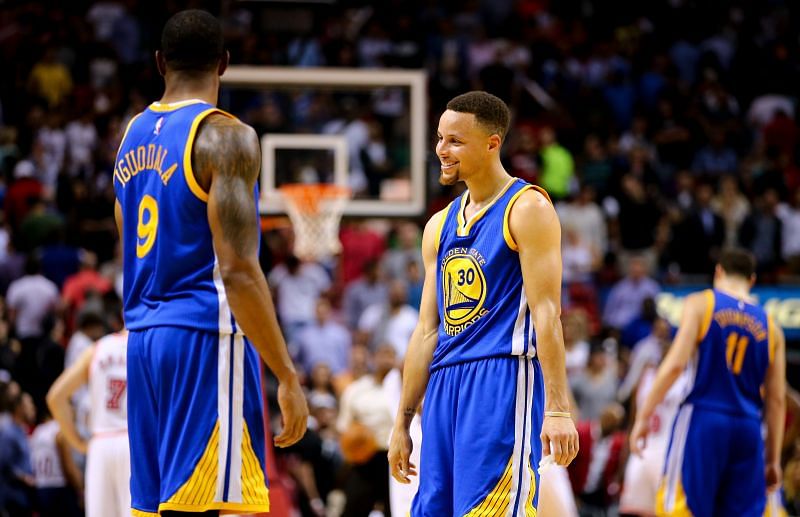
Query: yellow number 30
(148,226)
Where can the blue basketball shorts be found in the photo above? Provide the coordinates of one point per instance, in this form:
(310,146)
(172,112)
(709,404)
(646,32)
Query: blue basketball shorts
(195,421)
(481,446)
(714,466)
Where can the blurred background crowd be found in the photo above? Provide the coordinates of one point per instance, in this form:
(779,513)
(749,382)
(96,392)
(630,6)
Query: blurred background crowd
(664,130)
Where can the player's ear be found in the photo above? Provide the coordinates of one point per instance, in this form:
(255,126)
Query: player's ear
(495,142)
(752,280)
(161,63)
(223,63)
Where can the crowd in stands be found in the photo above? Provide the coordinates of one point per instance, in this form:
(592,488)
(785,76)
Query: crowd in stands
(659,146)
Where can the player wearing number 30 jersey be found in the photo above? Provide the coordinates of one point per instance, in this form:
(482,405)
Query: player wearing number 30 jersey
(716,462)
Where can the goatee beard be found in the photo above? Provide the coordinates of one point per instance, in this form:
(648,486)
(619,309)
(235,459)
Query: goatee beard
(447,180)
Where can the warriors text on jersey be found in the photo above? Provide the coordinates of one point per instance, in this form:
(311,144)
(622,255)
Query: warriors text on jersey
(483,309)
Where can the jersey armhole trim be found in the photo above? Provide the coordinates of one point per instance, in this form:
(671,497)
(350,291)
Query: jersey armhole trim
(122,142)
(188,173)
(705,323)
(445,213)
(506,224)
(771,342)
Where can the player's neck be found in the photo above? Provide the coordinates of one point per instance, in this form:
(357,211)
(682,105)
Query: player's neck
(484,187)
(179,88)
(737,288)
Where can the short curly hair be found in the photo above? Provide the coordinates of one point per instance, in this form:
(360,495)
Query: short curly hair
(192,41)
(490,111)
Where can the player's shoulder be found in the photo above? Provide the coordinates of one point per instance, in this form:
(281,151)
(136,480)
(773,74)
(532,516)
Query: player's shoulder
(219,127)
(225,144)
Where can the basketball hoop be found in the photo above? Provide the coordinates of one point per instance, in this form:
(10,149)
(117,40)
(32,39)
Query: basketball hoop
(315,210)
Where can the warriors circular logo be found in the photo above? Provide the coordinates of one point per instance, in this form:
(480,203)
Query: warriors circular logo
(464,289)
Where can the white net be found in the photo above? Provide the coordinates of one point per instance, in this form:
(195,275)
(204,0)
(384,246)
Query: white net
(315,211)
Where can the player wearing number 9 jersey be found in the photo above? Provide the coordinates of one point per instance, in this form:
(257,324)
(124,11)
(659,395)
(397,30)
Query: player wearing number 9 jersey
(734,354)
(185,181)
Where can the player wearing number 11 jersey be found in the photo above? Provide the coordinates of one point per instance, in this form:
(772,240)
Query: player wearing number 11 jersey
(734,353)
(185,181)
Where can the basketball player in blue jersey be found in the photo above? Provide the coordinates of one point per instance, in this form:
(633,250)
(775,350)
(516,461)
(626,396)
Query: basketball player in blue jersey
(717,463)
(495,391)
(185,181)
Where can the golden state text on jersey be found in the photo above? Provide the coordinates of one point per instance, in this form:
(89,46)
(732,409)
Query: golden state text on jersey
(171,275)
(483,310)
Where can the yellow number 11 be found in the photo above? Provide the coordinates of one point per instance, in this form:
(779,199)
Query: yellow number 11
(734,354)
(147,227)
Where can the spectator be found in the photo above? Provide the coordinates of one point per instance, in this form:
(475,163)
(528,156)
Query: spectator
(579,258)
(597,471)
(641,326)
(647,351)
(30,300)
(396,259)
(761,232)
(583,214)
(16,471)
(596,168)
(297,286)
(80,285)
(391,322)
(576,346)
(365,403)
(789,215)
(732,206)
(716,158)
(22,193)
(82,142)
(323,341)
(638,216)
(700,236)
(625,300)
(367,290)
(596,386)
(49,79)
(558,167)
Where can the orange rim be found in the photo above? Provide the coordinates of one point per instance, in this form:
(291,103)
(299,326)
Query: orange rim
(307,196)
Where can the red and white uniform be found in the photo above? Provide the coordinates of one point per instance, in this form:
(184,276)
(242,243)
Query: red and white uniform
(44,456)
(643,473)
(108,463)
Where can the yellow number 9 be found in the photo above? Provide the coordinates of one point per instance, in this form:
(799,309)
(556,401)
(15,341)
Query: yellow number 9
(148,209)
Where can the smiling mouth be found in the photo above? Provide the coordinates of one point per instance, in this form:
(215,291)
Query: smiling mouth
(449,166)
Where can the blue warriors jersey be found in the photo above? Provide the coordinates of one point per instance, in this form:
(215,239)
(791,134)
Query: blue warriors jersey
(736,346)
(171,276)
(483,310)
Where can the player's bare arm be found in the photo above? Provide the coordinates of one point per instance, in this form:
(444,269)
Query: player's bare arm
(535,228)
(60,392)
(226,158)
(775,406)
(418,358)
(71,470)
(679,354)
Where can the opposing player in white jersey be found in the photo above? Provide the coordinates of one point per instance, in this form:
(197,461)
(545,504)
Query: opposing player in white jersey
(108,463)
(643,473)
(57,478)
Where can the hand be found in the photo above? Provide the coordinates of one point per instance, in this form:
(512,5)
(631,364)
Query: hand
(773,475)
(83,447)
(638,438)
(561,433)
(294,411)
(400,447)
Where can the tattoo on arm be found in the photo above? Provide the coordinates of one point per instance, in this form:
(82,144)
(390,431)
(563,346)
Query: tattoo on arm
(409,412)
(227,152)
